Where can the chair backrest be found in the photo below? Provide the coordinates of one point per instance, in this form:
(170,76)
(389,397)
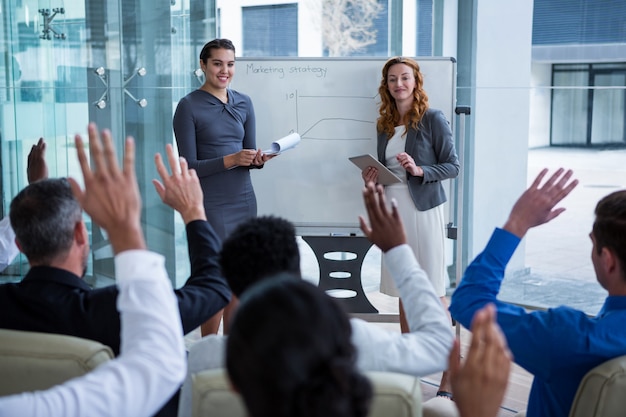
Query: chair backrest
(602,392)
(395,395)
(32,361)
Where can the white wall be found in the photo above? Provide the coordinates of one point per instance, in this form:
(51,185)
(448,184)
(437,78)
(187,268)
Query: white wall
(540,99)
(501,116)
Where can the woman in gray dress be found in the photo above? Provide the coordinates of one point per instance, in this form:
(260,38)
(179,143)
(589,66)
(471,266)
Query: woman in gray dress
(215,132)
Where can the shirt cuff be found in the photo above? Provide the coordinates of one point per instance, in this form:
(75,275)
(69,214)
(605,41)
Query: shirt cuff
(502,243)
(139,264)
(399,260)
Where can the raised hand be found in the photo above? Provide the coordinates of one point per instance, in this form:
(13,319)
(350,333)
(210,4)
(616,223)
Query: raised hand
(36,167)
(479,384)
(536,205)
(385,230)
(111,196)
(181,190)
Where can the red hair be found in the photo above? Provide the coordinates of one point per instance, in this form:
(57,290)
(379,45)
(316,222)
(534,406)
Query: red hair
(389,115)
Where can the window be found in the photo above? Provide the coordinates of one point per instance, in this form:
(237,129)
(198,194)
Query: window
(270,30)
(594,115)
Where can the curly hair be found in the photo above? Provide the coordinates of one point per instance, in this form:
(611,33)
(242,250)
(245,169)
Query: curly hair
(289,353)
(389,115)
(257,248)
(609,227)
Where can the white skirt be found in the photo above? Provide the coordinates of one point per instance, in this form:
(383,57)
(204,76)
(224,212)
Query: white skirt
(425,231)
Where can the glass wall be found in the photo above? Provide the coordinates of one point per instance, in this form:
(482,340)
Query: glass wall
(121,64)
(548,73)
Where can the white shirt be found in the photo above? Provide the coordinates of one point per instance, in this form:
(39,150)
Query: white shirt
(8,248)
(421,352)
(396,145)
(152,361)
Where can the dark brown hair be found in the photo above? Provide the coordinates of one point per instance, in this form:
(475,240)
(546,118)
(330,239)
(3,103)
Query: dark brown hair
(609,228)
(218,43)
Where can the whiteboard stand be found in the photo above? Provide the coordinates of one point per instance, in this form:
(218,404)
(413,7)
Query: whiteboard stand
(463,112)
(355,245)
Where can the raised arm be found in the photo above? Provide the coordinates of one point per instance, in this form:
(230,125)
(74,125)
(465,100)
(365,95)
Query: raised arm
(425,349)
(152,360)
(181,189)
(206,291)
(536,205)
(36,169)
(526,333)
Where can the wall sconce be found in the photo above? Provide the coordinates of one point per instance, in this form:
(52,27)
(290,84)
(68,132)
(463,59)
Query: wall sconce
(141,102)
(101,103)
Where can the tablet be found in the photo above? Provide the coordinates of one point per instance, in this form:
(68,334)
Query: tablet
(385,177)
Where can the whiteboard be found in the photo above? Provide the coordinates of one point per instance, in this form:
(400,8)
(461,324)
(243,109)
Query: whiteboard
(333,104)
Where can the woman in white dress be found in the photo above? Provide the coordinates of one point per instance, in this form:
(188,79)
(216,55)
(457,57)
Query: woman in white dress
(415,142)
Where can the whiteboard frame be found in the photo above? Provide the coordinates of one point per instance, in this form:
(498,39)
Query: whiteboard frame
(263,85)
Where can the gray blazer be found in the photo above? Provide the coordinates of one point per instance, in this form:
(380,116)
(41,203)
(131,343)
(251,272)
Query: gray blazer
(432,147)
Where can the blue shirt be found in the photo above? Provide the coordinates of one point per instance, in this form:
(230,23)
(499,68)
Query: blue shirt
(558,346)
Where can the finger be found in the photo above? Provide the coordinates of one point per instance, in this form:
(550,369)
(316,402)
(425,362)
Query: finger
(564,187)
(129,158)
(41,143)
(82,159)
(76,191)
(160,189)
(553,179)
(497,359)
(95,148)
(364,227)
(454,359)
(369,198)
(109,153)
(564,179)
(372,202)
(475,351)
(568,189)
(539,178)
(160,167)
(554,213)
(395,212)
(172,160)
(184,167)
(382,200)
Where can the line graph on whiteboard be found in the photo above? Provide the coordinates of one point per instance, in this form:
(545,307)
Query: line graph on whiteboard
(321,117)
